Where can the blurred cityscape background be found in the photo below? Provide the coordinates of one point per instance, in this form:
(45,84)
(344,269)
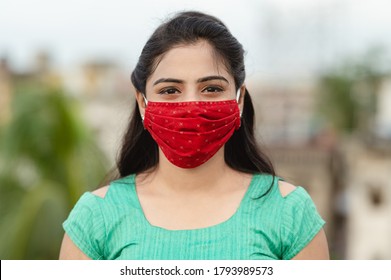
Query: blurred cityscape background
(319,73)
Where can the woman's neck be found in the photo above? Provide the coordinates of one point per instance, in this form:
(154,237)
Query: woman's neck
(200,179)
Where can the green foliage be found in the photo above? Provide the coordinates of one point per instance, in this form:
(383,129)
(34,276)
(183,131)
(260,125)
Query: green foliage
(348,94)
(337,102)
(48,158)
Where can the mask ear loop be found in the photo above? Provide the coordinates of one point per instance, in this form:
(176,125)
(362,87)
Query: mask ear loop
(145,99)
(237,100)
(146,103)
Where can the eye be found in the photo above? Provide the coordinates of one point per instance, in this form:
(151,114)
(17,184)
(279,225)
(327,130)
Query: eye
(169,90)
(212,89)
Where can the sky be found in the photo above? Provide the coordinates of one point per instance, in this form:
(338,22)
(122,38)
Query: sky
(281,37)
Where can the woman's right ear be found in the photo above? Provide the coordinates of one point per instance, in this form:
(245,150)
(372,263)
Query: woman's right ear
(141,101)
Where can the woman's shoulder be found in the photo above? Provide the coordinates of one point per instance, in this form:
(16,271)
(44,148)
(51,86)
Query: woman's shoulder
(285,188)
(101,192)
(281,194)
(118,185)
(293,195)
(274,185)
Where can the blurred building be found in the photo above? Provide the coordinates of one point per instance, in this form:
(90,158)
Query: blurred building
(96,79)
(368,187)
(383,116)
(106,94)
(348,181)
(284,112)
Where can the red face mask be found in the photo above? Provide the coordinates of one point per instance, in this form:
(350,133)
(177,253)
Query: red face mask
(190,133)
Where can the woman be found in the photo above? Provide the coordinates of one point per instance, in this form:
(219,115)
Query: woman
(193,183)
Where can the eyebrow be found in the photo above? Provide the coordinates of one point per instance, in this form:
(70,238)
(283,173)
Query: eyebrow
(210,78)
(168,80)
(200,80)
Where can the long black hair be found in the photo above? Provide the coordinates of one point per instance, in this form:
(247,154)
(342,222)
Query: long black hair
(139,152)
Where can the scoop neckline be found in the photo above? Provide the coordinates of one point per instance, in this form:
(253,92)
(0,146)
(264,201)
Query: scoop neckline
(214,227)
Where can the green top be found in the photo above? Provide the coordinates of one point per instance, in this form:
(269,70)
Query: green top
(270,227)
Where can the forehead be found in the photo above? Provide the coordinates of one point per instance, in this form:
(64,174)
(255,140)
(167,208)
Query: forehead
(190,61)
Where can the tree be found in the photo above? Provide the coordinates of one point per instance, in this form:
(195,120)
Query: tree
(49,157)
(348,94)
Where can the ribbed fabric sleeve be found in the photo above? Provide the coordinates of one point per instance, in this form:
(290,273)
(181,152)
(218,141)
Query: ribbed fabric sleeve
(301,222)
(263,227)
(85,226)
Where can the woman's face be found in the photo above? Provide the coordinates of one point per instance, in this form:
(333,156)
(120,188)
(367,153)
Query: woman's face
(190,73)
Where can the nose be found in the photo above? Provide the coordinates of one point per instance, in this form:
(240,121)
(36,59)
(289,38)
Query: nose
(191,94)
